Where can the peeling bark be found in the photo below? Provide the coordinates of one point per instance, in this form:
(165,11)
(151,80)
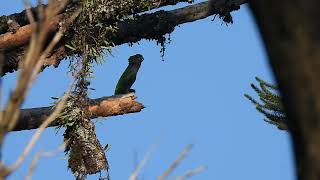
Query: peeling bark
(22,35)
(101,107)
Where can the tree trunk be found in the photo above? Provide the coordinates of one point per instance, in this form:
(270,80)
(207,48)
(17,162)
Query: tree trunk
(290,30)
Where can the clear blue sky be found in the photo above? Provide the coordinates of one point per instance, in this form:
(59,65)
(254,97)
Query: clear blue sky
(194,96)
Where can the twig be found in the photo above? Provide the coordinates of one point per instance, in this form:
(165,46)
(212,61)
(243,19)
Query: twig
(37,42)
(28,11)
(40,154)
(53,42)
(136,172)
(175,163)
(191,172)
(38,133)
(1,66)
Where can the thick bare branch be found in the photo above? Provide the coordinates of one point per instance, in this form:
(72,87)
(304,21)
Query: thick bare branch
(22,35)
(10,40)
(130,31)
(163,22)
(102,107)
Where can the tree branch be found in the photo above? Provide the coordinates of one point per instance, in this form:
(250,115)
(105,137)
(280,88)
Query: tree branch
(146,26)
(22,35)
(10,40)
(102,107)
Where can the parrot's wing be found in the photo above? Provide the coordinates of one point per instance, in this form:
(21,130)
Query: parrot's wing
(125,82)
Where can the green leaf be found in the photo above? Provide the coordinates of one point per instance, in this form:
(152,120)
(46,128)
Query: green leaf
(70,47)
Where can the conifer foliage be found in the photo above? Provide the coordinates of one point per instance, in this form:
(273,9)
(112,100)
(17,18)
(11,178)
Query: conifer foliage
(271,105)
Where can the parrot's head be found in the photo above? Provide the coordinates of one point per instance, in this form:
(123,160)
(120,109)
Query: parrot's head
(136,59)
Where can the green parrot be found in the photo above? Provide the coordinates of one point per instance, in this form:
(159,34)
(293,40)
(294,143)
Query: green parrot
(128,77)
